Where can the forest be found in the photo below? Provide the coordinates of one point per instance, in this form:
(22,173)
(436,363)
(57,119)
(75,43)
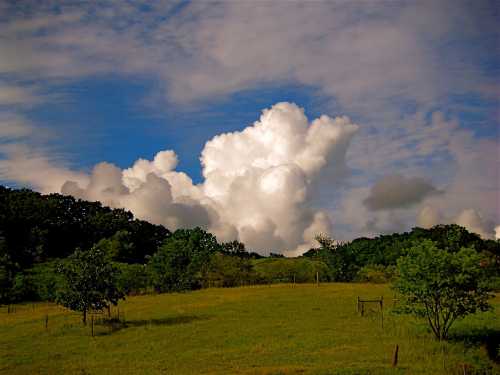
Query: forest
(44,239)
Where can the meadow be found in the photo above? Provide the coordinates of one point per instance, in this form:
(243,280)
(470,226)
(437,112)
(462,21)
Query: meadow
(277,329)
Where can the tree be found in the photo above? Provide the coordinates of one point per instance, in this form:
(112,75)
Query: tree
(177,264)
(88,282)
(7,274)
(227,270)
(442,285)
(337,255)
(234,248)
(6,279)
(118,246)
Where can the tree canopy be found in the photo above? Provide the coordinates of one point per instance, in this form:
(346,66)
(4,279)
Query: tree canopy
(89,282)
(442,285)
(38,227)
(178,262)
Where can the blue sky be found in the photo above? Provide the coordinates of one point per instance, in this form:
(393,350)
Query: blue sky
(115,82)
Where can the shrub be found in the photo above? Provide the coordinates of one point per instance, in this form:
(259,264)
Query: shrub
(376,273)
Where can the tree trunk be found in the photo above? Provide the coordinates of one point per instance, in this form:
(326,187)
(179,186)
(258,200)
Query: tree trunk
(84,319)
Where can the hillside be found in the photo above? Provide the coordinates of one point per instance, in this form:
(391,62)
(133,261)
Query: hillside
(281,329)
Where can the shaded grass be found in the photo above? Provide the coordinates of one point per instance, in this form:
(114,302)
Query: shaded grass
(278,329)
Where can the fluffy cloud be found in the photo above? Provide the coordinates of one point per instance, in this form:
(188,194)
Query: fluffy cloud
(468,218)
(428,217)
(380,63)
(474,222)
(398,191)
(256,184)
(464,166)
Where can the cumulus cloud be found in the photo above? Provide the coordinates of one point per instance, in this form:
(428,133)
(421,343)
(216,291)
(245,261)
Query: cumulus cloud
(371,61)
(428,217)
(256,184)
(469,218)
(398,191)
(474,222)
(435,145)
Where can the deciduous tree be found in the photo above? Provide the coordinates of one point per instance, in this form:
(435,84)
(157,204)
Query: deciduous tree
(442,285)
(88,282)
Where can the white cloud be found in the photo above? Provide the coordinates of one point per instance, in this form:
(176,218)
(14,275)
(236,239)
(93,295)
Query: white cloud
(463,166)
(428,217)
(472,220)
(361,54)
(256,187)
(375,61)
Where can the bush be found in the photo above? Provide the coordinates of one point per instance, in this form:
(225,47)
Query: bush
(132,279)
(227,271)
(376,273)
(287,270)
(177,264)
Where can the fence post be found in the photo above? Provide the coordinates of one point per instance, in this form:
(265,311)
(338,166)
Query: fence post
(357,305)
(382,310)
(46,321)
(317,278)
(92,323)
(395,356)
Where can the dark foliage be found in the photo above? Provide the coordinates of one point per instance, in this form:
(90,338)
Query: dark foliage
(177,265)
(347,259)
(38,227)
(88,282)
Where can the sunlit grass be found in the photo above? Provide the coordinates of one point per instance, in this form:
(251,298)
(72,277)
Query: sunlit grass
(279,329)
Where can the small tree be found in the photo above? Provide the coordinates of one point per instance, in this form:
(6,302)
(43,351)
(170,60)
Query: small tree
(6,279)
(88,282)
(442,286)
(177,264)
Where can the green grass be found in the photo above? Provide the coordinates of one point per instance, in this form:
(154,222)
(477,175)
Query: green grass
(279,329)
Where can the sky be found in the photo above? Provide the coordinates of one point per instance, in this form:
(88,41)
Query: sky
(265,122)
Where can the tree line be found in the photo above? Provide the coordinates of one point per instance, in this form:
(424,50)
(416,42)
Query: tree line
(87,256)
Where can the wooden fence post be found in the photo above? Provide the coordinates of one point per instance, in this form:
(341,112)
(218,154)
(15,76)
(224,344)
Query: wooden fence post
(382,311)
(46,321)
(92,323)
(395,356)
(317,278)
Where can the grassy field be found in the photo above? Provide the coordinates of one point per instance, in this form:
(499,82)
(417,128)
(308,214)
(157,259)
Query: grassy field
(279,329)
